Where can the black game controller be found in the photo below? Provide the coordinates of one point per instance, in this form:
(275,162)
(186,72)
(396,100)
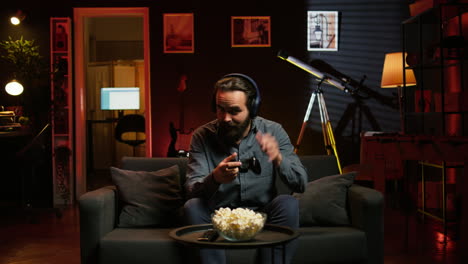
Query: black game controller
(209,235)
(252,164)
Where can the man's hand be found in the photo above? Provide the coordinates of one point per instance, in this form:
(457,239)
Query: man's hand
(269,145)
(227,169)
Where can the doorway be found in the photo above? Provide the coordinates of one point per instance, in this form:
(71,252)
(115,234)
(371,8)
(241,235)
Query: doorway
(111,48)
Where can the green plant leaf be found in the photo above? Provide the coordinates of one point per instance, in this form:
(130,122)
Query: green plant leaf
(24,57)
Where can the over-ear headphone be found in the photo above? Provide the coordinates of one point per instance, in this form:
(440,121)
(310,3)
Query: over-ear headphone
(254,103)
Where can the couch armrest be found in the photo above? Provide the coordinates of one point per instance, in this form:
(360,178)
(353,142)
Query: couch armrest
(366,207)
(97,218)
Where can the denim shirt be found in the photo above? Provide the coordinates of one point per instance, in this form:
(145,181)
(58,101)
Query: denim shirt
(250,189)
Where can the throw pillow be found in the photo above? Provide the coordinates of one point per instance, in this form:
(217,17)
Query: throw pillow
(148,198)
(324,201)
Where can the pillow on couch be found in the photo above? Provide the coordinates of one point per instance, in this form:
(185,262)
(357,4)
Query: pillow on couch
(148,198)
(324,201)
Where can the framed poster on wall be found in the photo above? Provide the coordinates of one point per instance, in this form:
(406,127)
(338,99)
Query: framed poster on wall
(322,30)
(250,31)
(178,33)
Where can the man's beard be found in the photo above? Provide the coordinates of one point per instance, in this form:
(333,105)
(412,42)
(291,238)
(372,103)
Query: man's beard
(232,133)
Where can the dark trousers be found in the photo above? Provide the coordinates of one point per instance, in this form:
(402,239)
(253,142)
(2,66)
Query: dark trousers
(283,210)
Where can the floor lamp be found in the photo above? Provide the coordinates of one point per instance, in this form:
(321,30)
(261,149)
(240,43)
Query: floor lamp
(393,76)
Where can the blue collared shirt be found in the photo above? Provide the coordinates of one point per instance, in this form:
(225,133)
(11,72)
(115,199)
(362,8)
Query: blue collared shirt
(249,189)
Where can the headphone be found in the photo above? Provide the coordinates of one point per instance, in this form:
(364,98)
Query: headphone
(254,104)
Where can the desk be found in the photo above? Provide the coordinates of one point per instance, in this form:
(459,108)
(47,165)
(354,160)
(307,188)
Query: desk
(15,174)
(15,133)
(378,151)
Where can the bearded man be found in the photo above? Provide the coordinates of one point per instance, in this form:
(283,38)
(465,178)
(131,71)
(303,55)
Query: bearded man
(235,160)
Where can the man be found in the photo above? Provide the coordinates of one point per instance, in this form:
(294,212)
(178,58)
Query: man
(235,160)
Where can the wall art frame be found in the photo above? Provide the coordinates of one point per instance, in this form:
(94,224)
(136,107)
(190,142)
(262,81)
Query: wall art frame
(322,30)
(178,33)
(250,31)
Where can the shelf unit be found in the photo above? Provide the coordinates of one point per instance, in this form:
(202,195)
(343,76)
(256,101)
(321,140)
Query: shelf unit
(436,45)
(62,111)
(437,53)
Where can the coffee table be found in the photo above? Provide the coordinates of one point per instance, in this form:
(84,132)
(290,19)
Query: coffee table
(270,236)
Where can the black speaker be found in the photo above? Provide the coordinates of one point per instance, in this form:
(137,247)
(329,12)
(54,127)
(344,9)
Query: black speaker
(254,104)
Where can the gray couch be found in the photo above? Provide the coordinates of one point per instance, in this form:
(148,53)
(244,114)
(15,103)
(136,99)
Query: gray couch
(103,242)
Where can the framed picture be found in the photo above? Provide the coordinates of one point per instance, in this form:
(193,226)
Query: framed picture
(322,30)
(250,31)
(178,33)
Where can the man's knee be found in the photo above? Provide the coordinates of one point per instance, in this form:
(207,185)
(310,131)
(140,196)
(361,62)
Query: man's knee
(195,211)
(193,204)
(284,210)
(287,202)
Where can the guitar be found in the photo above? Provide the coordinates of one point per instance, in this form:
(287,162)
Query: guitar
(180,137)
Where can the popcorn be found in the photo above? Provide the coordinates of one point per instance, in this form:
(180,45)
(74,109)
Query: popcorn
(238,224)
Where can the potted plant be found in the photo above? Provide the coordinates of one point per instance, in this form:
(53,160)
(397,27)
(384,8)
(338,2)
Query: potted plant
(27,66)
(24,56)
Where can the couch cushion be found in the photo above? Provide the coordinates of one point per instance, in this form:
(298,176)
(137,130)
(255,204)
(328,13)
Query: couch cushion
(154,245)
(148,198)
(140,246)
(318,166)
(324,201)
(154,164)
(331,245)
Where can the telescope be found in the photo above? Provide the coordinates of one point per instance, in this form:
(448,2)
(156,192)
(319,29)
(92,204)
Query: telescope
(327,130)
(338,83)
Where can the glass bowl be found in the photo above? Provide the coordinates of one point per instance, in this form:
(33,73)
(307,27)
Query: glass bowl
(239,224)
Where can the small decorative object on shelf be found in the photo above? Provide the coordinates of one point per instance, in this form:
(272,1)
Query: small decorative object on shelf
(61,38)
(62,172)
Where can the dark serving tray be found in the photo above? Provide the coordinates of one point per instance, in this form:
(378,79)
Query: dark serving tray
(270,236)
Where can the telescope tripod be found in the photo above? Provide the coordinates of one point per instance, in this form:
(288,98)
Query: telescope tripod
(328,137)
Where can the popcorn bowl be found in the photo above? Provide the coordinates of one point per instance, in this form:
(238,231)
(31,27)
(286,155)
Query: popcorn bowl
(238,224)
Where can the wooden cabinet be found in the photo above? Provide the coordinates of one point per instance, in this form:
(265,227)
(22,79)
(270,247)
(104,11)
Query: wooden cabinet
(62,111)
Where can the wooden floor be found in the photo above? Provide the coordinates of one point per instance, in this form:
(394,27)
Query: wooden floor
(41,237)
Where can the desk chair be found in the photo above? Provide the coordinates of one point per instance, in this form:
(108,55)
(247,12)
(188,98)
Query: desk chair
(130,129)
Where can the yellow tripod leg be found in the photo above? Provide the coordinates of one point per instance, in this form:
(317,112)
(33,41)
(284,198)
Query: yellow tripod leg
(328,131)
(326,139)
(333,144)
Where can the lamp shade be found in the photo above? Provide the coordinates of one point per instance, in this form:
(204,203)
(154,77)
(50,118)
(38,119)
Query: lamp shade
(392,74)
(14,88)
(15,20)
(17,17)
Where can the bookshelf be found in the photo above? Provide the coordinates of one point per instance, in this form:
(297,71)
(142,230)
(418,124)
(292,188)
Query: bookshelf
(62,111)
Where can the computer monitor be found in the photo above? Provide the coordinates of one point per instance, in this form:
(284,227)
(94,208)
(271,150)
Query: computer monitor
(120,98)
